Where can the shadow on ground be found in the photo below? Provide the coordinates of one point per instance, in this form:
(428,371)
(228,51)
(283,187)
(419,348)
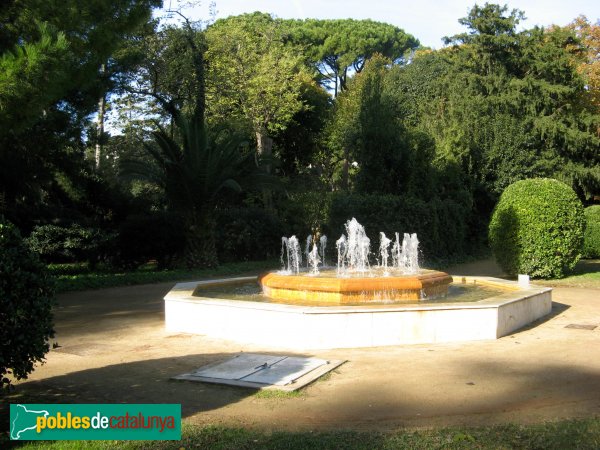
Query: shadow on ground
(146,381)
(466,391)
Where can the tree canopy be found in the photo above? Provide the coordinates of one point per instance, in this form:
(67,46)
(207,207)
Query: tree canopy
(338,48)
(50,58)
(252,72)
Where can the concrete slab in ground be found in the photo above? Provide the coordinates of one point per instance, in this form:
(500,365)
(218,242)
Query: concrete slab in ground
(260,371)
(114,349)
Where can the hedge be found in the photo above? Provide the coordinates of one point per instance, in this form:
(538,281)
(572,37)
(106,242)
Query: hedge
(441,225)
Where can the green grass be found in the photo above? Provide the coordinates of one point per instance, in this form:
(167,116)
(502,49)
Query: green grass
(569,434)
(585,275)
(74,277)
(268,394)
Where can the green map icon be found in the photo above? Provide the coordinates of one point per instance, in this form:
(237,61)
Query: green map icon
(23,420)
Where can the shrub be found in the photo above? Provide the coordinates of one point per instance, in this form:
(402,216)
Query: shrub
(26,299)
(537,228)
(591,237)
(57,244)
(248,234)
(158,236)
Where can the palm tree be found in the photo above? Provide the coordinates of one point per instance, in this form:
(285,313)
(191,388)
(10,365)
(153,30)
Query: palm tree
(195,170)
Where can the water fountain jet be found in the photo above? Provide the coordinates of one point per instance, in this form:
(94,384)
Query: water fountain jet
(355,281)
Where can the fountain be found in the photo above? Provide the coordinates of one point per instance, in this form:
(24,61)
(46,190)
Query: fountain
(291,249)
(356,303)
(354,280)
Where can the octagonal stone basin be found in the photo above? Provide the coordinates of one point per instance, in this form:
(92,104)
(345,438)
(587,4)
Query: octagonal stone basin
(329,288)
(278,325)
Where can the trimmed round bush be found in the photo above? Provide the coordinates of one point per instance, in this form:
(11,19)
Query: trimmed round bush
(26,300)
(591,237)
(537,228)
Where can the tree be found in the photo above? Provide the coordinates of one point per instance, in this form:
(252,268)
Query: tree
(51,53)
(506,105)
(195,171)
(589,65)
(369,129)
(253,74)
(296,146)
(23,69)
(492,36)
(166,80)
(337,48)
(194,166)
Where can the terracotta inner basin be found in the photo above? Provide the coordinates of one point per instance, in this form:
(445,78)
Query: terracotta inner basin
(340,290)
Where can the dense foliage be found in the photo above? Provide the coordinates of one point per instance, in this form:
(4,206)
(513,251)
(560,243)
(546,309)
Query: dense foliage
(26,299)
(248,234)
(54,243)
(537,228)
(591,237)
(57,59)
(205,120)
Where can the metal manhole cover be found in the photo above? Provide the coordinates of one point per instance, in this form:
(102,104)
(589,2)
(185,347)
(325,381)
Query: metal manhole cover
(579,326)
(258,371)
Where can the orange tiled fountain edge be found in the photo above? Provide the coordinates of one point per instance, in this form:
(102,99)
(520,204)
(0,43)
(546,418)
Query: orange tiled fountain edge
(339,290)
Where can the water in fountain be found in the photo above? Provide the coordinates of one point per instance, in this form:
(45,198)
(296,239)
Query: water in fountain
(410,249)
(396,252)
(353,248)
(342,248)
(307,248)
(323,245)
(290,247)
(397,280)
(405,254)
(314,260)
(384,245)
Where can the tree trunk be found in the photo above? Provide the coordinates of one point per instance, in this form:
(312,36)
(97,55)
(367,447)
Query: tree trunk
(335,91)
(100,128)
(264,147)
(200,247)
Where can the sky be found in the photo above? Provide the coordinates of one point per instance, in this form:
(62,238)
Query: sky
(427,20)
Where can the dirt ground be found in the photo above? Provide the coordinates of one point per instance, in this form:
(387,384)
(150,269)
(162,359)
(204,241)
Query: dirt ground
(113,348)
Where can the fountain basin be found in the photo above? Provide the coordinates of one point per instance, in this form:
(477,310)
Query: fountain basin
(340,290)
(292,326)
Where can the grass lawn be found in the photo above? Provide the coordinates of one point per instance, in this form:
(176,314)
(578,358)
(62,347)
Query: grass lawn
(571,434)
(585,275)
(77,277)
